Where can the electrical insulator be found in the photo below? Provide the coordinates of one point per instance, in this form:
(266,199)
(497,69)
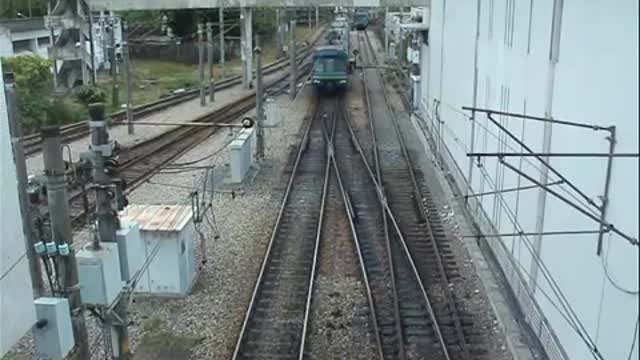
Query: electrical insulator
(52,249)
(40,248)
(63,249)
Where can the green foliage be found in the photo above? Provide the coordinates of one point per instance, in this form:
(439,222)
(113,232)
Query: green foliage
(34,81)
(10,8)
(90,94)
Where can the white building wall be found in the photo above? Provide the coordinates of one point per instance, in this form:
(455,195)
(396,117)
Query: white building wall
(595,82)
(17,312)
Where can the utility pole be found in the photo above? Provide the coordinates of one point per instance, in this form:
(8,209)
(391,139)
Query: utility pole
(127,69)
(107,218)
(62,235)
(15,128)
(293,80)
(115,91)
(386,32)
(212,84)
(259,102)
(221,26)
(203,100)
(92,48)
(279,36)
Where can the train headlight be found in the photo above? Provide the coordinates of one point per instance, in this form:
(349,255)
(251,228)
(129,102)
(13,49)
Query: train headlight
(343,81)
(316,81)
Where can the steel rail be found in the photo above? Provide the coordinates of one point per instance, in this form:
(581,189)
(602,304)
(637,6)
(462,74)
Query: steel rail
(75,131)
(419,195)
(252,303)
(391,216)
(356,239)
(149,149)
(396,301)
(307,310)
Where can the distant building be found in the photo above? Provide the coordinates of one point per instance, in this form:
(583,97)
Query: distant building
(24,37)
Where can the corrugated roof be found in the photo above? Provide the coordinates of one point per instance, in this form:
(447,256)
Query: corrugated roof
(159,217)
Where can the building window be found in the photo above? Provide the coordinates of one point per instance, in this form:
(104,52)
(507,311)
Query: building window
(43,41)
(21,46)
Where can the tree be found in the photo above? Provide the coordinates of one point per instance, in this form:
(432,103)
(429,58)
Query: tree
(34,81)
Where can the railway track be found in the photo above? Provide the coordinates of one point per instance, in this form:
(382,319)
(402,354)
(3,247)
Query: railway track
(410,199)
(275,324)
(141,161)
(402,312)
(78,130)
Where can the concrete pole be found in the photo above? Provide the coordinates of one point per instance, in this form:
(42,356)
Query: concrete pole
(309,17)
(62,235)
(92,49)
(107,218)
(279,37)
(317,16)
(246,32)
(15,128)
(212,84)
(259,103)
(115,91)
(293,80)
(203,100)
(127,69)
(221,26)
(386,32)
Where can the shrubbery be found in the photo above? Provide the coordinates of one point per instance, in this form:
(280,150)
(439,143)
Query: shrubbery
(34,81)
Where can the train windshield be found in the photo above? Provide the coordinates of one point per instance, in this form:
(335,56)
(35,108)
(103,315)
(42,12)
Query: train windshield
(330,65)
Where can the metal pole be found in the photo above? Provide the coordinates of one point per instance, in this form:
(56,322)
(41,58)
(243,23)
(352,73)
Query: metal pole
(309,17)
(292,60)
(62,234)
(115,91)
(259,102)
(607,184)
(545,187)
(15,129)
(127,69)
(92,48)
(317,16)
(221,26)
(279,37)
(212,84)
(203,100)
(386,32)
(106,215)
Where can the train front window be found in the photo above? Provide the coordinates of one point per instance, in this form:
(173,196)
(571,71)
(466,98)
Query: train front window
(330,65)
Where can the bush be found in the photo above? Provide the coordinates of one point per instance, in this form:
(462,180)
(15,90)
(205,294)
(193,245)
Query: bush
(90,94)
(34,80)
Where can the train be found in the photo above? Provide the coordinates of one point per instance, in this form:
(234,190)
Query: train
(332,61)
(361,20)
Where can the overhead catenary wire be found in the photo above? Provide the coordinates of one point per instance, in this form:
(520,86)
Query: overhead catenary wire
(508,145)
(546,274)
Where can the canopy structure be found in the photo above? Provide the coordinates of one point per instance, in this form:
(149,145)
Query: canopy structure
(121,5)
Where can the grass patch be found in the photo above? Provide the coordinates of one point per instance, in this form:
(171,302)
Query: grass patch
(155,79)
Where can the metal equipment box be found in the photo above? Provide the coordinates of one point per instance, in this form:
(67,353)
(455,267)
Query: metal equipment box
(131,248)
(99,274)
(168,238)
(52,334)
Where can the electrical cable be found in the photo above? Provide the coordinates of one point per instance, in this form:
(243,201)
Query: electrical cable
(609,278)
(635,338)
(546,273)
(529,162)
